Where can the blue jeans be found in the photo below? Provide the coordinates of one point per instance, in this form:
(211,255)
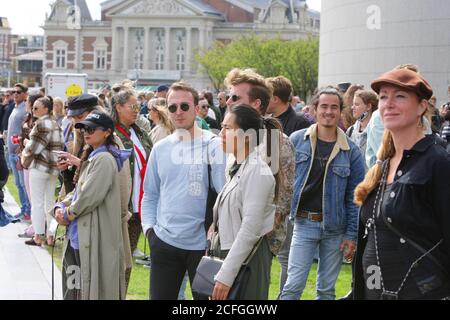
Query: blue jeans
(283,254)
(307,238)
(20,184)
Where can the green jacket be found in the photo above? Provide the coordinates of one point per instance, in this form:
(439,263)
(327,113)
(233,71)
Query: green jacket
(202,124)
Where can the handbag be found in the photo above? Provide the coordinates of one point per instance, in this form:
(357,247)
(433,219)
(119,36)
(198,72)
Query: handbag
(208,268)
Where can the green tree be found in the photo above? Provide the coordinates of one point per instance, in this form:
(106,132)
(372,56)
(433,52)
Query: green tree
(297,60)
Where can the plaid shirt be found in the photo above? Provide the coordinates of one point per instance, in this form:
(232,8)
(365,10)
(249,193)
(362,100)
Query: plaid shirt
(45,138)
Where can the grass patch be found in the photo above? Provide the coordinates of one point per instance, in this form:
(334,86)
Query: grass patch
(11,186)
(140,281)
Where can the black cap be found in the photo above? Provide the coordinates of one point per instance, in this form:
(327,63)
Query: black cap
(343,86)
(96,119)
(80,104)
(162,88)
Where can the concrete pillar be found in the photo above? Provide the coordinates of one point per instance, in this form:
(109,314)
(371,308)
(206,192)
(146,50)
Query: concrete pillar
(167,65)
(114,49)
(188,49)
(146,48)
(126,48)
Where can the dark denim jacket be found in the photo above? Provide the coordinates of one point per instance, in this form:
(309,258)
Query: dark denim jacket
(344,171)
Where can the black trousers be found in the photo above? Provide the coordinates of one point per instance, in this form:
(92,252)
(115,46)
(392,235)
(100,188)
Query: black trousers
(169,265)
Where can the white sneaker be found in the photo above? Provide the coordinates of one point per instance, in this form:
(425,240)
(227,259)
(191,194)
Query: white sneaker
(138,254)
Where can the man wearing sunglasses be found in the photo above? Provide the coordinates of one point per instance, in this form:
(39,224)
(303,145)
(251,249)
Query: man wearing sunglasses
(222,97)
(176,193)
(248,87)
(203,110)
(15,122)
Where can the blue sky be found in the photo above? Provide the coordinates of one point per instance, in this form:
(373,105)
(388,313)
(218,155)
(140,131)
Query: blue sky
(25,16)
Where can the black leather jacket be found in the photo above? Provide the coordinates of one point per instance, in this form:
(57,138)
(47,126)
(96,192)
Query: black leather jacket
(419,208)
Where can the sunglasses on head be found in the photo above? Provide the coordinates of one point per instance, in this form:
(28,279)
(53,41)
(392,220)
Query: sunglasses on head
(135,107)
(90,130)
(174,107)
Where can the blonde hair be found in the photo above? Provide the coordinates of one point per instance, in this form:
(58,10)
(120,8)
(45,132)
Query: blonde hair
(59,101)
(373,176)
(260,88)
(160,106)
(184,86)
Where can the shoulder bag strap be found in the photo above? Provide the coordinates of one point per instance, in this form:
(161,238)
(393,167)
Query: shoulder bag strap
(418,247)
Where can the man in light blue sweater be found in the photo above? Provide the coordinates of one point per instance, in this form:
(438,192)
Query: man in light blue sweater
(175,195)
(15,122)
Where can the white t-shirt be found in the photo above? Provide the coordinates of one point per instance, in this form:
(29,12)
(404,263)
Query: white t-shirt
(137,170)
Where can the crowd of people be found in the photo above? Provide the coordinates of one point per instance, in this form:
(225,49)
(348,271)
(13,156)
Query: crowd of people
(355,175)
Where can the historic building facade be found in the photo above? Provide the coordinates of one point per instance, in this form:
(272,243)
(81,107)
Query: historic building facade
(155,41)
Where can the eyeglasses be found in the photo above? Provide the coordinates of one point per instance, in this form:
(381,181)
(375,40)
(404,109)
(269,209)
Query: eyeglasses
(204,107)
(174,107)
(90,130)
(17,92)
(135,107)
(235,98)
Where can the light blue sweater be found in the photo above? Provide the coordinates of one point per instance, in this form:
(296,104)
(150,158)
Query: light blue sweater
(176,189)
(18,116)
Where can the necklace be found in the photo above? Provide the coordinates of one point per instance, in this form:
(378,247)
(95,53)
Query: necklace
(370,224)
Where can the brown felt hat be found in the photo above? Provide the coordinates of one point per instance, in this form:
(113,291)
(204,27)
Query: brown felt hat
(406,79)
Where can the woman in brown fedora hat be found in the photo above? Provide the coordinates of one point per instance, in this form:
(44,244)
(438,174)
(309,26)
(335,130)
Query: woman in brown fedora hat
(404,235)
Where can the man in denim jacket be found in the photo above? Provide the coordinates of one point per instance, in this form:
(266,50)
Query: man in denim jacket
(328,168)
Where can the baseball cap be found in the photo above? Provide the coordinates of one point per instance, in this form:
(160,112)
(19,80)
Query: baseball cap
(96,119)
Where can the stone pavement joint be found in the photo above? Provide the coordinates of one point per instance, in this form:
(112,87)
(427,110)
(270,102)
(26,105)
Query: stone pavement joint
(25,271)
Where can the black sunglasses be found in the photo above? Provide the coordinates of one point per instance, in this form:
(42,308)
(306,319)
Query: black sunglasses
(18,92)
(90,130)
(235,98)
(174,107)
